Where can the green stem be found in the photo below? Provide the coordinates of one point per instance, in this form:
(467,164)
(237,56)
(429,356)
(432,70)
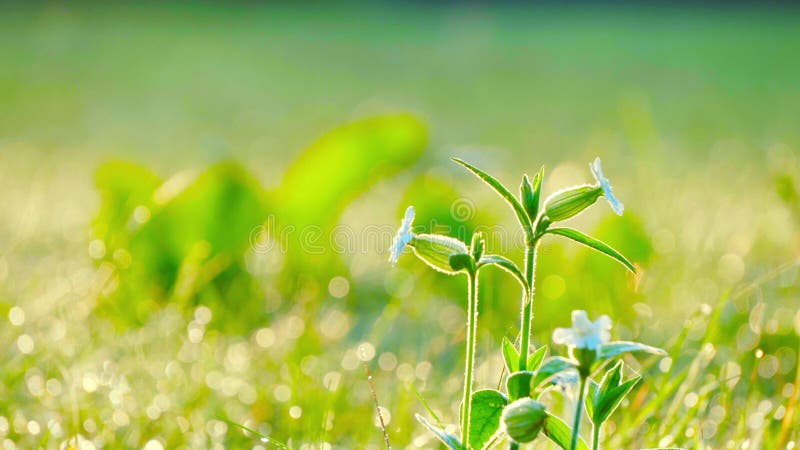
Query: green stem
(596,437)
(472,328)
(576,425)
(527,305)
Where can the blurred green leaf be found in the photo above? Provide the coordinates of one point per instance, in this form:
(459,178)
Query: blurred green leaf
(616,348)
(446,438)
(344,163)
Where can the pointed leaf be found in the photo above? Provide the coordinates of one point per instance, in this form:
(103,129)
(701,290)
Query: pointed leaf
(510,355)
(447,439)
(505,264)
(610,400)
(522,216)
(536,358)
(527,197)
(560,433)
(596,244)
(487,407)
(518,384)
(617,348)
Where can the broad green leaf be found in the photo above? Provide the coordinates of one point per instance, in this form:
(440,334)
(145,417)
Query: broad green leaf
(505,264)
(487,407)
(344,163)
(560,433)
(598,245)
(123,186)
(510,355)
(518,384)
(551,367)
(617,348)
(512,201)
(446,438)
(536,358)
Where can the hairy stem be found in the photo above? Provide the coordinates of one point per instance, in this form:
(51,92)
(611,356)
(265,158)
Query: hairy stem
(527,306)
(472,328)
(576,425)
(596,437)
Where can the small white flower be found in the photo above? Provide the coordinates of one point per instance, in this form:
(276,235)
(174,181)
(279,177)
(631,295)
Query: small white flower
(403,236)
(597,171)
(584,333)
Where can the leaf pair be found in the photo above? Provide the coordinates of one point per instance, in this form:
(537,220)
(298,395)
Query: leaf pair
(511,357)
(603,399)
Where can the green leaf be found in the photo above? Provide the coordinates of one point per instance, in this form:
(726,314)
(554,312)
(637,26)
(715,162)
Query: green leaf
(591,399)
(617,348)
(505,264)
(530,192)
(478,245)
(447,439)
(487,407)
(596,244)
(551,367)
(526,195)
(610,400)
(560,433)
(536,358)
(518,384)
(510,355)
(522,215)
(612,377)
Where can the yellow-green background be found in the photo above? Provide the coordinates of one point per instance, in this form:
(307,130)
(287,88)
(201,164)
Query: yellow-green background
(695,112)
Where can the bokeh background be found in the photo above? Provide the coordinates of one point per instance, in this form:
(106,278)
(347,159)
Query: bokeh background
(152,155)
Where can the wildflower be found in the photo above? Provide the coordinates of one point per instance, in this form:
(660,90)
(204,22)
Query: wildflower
(403,236)
(585,339)
(597,171)
(584,333)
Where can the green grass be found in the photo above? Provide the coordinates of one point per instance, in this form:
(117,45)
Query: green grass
(693,111)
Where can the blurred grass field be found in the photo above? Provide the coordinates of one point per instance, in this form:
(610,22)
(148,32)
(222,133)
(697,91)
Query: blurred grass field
(695,113)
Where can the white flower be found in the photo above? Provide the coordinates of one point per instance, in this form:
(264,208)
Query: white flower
(403,236)
(597,171)
(584,333)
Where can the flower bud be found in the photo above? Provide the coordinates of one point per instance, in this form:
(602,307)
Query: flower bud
(568,202)
(586,358)
(436,250)
(524,419)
